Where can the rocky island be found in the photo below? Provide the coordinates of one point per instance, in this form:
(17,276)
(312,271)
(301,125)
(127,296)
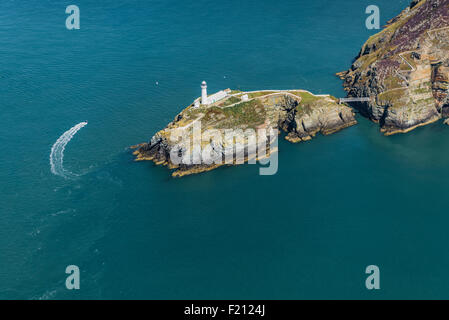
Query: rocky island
(404,69)
(299,113)
(400,80)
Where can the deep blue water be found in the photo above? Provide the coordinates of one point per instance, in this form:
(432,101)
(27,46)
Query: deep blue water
(337,204)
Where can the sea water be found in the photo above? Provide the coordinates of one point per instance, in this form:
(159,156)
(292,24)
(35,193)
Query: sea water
(337,204)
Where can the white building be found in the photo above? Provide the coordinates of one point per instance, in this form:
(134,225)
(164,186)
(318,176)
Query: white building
(205,100)
(217,97)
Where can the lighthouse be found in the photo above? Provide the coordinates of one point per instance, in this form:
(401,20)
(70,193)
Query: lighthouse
(204,93)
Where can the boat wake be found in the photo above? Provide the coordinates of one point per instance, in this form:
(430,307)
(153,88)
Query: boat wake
(57,152)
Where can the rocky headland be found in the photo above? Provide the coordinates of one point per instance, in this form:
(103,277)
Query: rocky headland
(404,69)
(300,114)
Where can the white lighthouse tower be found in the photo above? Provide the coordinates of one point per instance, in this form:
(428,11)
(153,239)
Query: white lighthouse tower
(204,93)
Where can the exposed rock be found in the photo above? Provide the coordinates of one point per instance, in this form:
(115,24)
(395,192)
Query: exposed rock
(298,113)
(404,69)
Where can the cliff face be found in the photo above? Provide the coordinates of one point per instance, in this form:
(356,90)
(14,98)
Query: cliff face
(299,113)
(404,69)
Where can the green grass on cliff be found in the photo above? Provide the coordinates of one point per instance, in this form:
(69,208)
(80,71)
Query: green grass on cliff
(392,95)
(306,97)
(393,82)
(244,115)
(229,101)
(259,94)
(422,90)
(251,114)
(307,101)
(394,98)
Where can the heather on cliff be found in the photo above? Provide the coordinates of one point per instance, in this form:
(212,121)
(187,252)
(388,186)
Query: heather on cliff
(404,69)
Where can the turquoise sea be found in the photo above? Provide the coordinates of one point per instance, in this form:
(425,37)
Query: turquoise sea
(336,205)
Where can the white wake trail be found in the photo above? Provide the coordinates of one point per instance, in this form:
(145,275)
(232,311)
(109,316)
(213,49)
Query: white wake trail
(57,152)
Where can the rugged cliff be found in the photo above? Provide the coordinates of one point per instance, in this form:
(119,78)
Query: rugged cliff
(298,113)
(404,69)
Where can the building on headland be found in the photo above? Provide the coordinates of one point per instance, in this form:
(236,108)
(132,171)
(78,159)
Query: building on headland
(217,96)
(208,100)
